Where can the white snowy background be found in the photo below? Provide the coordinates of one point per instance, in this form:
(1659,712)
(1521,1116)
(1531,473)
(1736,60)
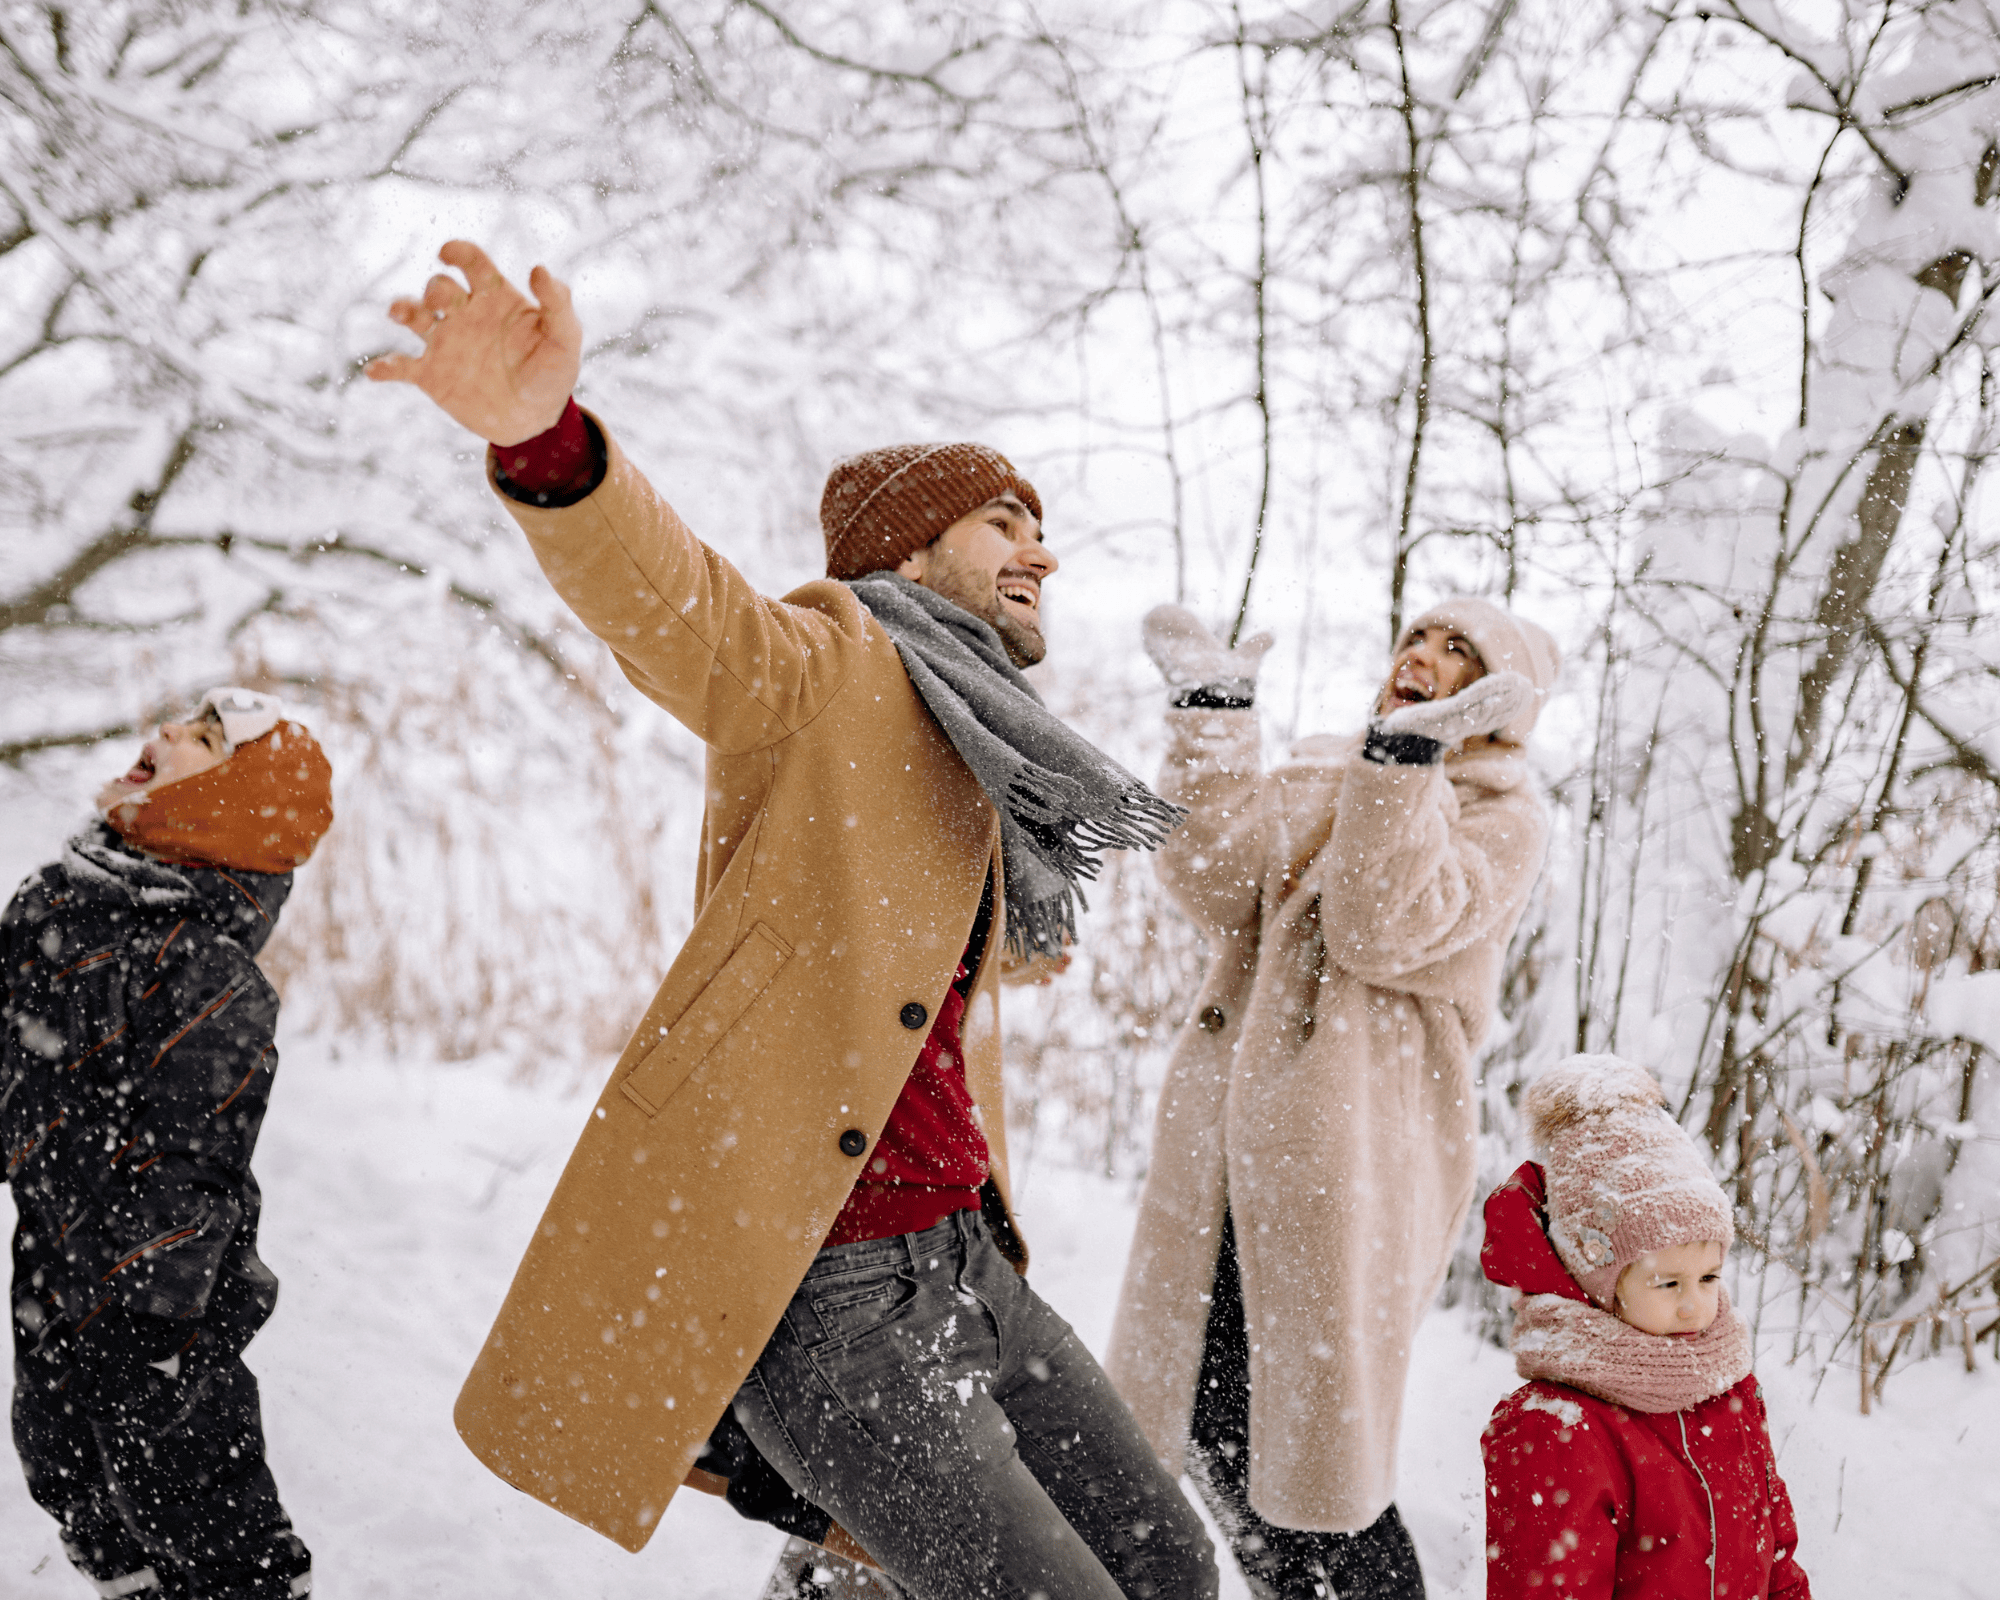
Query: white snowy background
(1667,323)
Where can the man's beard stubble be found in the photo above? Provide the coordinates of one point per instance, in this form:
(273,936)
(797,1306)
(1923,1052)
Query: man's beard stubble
(970,589)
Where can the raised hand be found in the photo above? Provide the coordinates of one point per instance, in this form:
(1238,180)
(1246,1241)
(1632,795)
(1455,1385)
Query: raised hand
(1485,706)
(496,362)
(1190,657)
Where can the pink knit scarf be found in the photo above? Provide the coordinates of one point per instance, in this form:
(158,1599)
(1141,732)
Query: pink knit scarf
(1574,1343)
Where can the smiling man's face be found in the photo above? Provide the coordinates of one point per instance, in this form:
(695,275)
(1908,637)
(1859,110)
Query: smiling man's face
(992,563)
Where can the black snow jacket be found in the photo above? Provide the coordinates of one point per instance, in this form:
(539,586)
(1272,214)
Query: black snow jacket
(135,1065)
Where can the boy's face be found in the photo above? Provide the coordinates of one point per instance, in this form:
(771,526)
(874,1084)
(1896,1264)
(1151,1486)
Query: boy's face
(178,750)
(1673,1291)
(992,563)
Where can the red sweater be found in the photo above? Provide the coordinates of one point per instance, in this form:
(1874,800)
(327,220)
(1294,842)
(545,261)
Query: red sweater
(1588,1499)
(931,1157)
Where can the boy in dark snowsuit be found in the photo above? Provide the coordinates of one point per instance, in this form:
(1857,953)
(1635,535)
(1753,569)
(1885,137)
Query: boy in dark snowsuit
(134,1068)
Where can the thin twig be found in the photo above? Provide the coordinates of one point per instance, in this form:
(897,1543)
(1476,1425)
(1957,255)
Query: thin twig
(1256,130)
(1426,356)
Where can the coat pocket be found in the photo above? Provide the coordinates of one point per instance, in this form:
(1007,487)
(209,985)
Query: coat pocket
(744,976)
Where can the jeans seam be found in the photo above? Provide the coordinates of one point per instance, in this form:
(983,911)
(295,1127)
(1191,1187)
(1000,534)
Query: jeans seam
(833,1390)
(989,1568)
(859,1269)
(969,1238)
(1141,1553)
(992,1569)
(875,1447)
(785,1432)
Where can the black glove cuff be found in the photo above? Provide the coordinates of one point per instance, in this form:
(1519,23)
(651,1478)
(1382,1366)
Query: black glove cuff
(1214,697)
(755,1490)
(760,1495)
(1387,749)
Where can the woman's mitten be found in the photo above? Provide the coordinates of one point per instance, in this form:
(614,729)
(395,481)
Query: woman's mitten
(1202,671)
(1417,736)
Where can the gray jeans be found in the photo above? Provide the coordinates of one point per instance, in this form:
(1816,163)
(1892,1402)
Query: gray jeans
(924,1396)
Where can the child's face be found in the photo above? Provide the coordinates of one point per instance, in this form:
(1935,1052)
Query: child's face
(179,750)
(1677,1290)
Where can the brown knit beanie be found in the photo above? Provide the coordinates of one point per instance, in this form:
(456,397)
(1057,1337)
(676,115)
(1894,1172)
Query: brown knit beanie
(884,505)
(1624,1179)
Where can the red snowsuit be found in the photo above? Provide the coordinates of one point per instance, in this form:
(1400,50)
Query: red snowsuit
(1587,1498)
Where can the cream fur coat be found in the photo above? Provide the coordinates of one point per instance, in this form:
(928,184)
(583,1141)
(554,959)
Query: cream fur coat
(1357,917)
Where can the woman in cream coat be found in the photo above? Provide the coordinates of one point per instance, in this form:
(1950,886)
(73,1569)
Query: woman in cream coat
(1314,1156)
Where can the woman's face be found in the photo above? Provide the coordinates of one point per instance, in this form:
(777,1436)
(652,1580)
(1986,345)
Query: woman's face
(1432,664)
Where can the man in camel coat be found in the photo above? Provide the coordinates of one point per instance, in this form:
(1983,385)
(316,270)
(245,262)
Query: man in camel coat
(1314,1156)
(789,1207)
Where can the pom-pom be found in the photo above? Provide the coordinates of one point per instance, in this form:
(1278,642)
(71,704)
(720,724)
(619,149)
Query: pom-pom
(1586,1086)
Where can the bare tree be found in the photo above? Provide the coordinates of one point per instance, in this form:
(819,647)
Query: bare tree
(1754,667)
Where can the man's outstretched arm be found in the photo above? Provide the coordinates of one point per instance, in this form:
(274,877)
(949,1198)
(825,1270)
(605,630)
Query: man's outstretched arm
(740,670)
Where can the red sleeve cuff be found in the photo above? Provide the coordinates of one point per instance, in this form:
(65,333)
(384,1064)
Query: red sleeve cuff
(557,467)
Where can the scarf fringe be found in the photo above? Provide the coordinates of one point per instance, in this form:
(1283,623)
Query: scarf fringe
(1062,801)
(1042,926)
(1142,822)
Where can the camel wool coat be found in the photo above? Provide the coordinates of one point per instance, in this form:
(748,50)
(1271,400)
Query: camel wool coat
(844,851)
(1357,917)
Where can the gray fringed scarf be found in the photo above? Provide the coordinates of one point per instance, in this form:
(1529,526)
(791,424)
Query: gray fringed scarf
(1061,800)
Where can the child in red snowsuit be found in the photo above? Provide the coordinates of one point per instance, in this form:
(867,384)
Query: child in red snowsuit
(1636,1460)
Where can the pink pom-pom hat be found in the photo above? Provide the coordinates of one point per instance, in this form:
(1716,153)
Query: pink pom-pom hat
(1624,1178)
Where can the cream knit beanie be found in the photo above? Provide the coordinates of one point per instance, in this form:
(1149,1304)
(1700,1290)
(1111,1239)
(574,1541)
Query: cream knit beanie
(1624,1179)
(1506,643)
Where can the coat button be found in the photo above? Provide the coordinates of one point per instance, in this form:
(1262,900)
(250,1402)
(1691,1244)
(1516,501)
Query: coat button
(1211,1019)
(853,1142)
(914,1015)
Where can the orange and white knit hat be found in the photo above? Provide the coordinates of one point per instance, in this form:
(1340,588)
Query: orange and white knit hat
(263,808)
(1624,1178)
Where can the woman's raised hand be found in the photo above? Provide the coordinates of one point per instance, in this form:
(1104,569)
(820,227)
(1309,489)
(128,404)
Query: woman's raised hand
(496,362)
(1485,706)
(1190,657)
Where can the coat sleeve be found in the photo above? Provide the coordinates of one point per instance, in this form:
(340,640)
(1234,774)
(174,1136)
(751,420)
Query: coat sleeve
(1213,864)
(1554,1505)
(738,669)
(171,1185)
(1788,1578)
(1408,880)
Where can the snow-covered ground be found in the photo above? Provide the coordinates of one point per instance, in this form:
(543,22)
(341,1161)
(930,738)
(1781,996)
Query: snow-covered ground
(398,1196)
